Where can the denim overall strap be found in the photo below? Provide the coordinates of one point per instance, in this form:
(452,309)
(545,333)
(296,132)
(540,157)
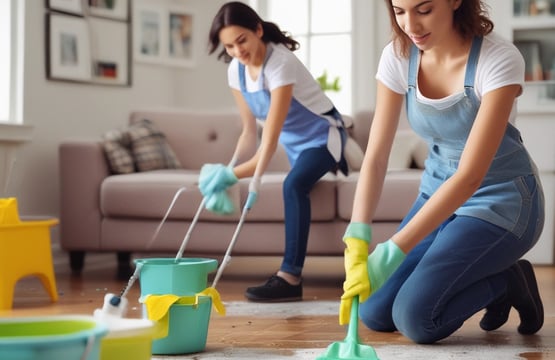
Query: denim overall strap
(413,66)
(472,62)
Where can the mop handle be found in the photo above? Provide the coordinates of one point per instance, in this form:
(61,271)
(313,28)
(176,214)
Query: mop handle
(195,219)
(352,331)
(179,191)
(132,280)
(227,256)
(190,231)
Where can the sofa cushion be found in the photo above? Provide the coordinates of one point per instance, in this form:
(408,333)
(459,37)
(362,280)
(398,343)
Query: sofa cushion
(149,195)
(353,154)
(399,192)
(149,147)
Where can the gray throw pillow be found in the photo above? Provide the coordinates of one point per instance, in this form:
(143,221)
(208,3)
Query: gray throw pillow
(116,147)
(150,148)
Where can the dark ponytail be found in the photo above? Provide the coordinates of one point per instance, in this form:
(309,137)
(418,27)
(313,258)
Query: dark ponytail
(240,14)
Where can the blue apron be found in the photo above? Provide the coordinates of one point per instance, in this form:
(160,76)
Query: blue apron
(499,199)
(302,128)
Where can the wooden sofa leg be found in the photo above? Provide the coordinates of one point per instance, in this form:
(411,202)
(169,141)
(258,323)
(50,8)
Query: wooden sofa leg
(125,270)
(76,262)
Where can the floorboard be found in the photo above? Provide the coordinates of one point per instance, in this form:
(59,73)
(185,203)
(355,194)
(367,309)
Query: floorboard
(323,280)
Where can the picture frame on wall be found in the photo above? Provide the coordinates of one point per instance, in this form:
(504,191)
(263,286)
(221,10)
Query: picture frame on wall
(147,34)
(110,9)
(163,34)
(66,6)
(68,54)
(110,52)
(180,36)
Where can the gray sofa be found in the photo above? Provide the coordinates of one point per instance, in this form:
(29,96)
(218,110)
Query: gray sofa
(105,212)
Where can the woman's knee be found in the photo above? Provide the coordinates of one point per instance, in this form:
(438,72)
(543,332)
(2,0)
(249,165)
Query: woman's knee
(375,317)
(415,323)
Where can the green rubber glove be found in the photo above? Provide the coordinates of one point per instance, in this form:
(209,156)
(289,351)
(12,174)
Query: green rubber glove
(215,177)
(219,203)
(383,262)
(357,239)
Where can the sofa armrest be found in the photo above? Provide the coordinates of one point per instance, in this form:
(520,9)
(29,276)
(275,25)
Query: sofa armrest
(83,167)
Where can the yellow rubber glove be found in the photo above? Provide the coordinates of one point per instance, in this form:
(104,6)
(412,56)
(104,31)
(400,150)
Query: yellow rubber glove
(357,283)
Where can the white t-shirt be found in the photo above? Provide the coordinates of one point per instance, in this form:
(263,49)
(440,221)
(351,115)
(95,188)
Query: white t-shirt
(284,68)
(500,64)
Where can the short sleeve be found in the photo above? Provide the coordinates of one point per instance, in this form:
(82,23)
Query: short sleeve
(233,75)
(501,64)
(393,70)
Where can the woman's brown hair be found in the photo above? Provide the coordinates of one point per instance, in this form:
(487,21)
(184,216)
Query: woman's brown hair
(470,19)
(240,14)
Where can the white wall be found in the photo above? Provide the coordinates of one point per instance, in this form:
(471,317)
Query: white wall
(62,110)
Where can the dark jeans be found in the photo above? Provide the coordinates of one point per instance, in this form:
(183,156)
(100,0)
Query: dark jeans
(310,166)
(452,274)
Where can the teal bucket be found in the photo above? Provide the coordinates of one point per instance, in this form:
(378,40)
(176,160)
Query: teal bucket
(186,276)
(51,338)
(188,324)
(188,329)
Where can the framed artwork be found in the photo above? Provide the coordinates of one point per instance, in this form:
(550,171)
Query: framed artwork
(110,51)
(180,36)
(163,34)
(111,9)
(147,34)
(68,54)
(66,6)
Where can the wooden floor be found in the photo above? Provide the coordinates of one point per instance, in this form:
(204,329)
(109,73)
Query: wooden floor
(323,280)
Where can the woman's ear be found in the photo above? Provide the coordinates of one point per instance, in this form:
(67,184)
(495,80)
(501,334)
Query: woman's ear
(457,4)
(259,31)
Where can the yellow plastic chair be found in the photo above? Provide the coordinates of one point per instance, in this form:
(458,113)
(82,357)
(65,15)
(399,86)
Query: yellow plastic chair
(24,251)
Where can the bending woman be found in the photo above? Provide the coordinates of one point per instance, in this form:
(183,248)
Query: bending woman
(480,207)
(269,83)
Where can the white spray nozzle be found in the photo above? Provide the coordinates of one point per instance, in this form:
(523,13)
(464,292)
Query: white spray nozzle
(112,307)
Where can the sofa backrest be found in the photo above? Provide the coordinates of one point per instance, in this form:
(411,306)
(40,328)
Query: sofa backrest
(200,137)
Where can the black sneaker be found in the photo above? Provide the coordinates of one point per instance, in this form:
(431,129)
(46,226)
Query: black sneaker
(497,314)
(528,302)
(276,289)
(523,295)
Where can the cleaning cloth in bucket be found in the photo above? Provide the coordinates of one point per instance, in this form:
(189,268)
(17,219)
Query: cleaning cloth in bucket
(158,307)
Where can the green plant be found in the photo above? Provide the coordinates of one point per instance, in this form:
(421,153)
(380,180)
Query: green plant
(328,85)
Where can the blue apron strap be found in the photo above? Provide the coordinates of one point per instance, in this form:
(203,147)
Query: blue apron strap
(413,66)
(242,77)
(472,62)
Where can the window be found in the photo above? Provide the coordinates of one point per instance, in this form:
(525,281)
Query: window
(5,60)
(324,30)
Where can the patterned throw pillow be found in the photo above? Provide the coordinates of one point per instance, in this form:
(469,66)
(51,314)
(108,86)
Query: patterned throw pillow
(149,147)
(116,147)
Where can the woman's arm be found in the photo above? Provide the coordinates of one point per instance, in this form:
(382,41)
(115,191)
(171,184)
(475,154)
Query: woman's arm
(374,166)
(279,107)
(246,144)
(480,149)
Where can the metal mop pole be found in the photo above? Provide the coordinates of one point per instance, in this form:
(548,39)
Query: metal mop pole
(178,192)
(190,231)
(227,256)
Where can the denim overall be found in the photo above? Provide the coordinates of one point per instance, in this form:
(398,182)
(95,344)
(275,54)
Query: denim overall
(314,146)
(457,270)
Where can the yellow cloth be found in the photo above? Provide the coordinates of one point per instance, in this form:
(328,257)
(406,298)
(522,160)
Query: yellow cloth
(158,307)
